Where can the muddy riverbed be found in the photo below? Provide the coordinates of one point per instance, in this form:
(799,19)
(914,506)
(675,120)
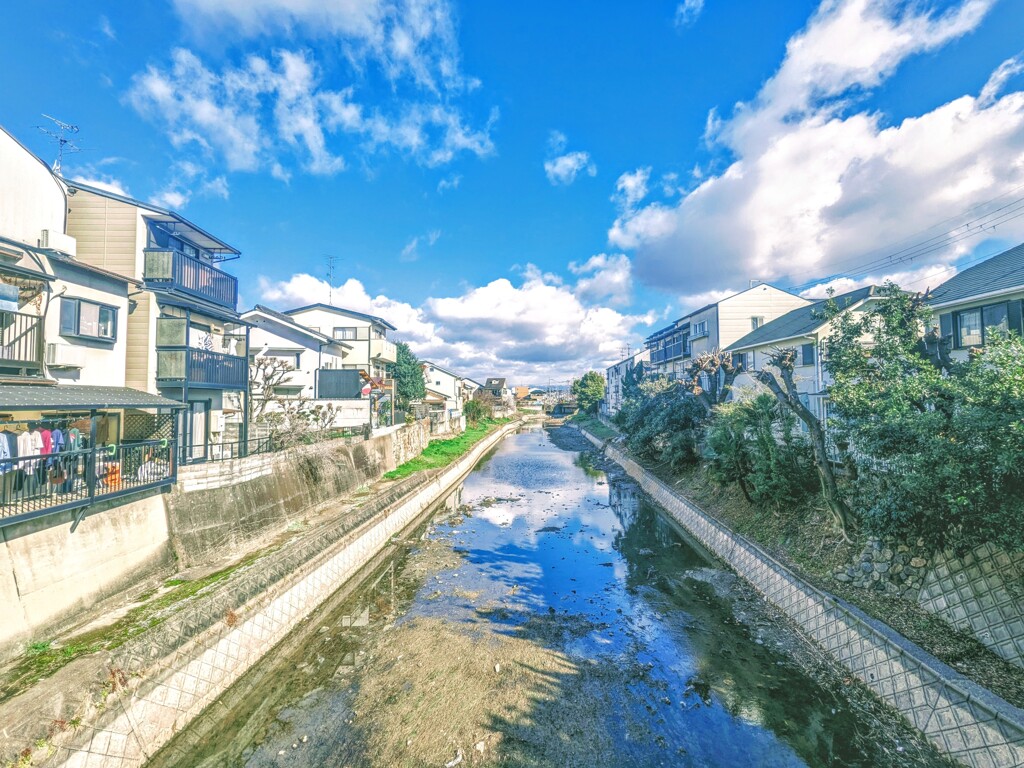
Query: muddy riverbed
(547,615)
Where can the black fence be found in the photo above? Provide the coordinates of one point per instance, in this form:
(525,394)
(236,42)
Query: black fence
(31,486)
(204,452)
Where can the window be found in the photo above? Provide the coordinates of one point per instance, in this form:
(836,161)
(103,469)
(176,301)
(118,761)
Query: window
(756,322)
(700,329)
(88,319)
(346,334)
(969,328)
(807,354)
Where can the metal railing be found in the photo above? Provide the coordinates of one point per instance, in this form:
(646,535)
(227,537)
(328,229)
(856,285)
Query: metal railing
(173,269)
(202,367)
(200,453)
(21,341)
(31,486)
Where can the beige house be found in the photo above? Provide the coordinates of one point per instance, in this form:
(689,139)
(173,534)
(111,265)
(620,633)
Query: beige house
(716,326)
(615,376)
(367,335)
(986,296)
(184,337)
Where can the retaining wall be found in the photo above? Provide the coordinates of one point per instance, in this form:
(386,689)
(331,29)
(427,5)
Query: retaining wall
(965,720)
(160,692)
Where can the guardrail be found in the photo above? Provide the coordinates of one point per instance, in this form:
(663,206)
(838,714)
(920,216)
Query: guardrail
(33,486)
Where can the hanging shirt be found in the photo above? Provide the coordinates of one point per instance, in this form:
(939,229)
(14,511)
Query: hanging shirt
(56,441)
(5,453)
(74,439)
(28,446)
(46,437)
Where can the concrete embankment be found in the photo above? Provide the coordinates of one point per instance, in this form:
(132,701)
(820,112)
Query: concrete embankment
(965,720)
(156,683)
(50,576)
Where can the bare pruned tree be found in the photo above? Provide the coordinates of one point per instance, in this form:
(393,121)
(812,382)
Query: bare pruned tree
(266,376)
(709,376)
(778,377)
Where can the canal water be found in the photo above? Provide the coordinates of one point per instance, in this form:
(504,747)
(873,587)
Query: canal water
(547,615)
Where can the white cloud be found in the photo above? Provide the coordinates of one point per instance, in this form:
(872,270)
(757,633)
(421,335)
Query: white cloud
(266,111)
(1003,73)
(604,277)
(816,183)
(921,279)
(217,187)
(631,188)
(687,12)
(562,169)
(449,182)
(527,331)
(411,251)
(174,199)
(103,181)
(107,29)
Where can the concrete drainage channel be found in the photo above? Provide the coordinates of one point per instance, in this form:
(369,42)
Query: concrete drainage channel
(166,677)
(968,722)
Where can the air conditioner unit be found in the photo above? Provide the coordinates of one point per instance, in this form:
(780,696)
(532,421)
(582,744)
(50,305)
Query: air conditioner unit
(65,355)
(58,241)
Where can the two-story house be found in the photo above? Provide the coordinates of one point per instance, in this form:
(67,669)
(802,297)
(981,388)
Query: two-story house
(185,340)
(805,330)
(983,297)
(371,351)
(716,326)
(318,368)
(71,431)
(615,376)
(445,390)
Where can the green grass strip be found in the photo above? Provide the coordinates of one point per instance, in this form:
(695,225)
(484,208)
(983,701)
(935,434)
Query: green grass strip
(441,453)
(594,426)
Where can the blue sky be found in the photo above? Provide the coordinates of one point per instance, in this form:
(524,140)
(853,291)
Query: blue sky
(524,188)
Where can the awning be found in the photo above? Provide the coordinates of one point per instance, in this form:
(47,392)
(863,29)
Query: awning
(35,397)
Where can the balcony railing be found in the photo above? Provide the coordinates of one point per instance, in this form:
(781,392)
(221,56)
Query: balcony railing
(201,368)
(173,270)
(32,486)
(21,344)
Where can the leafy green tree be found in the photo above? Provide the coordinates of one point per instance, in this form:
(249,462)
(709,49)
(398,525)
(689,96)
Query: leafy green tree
(408,374)
(666,425)
(938,449)
(475,410)
(588,391)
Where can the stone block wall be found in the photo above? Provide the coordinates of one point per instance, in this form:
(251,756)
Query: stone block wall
(963,719)
(888,566)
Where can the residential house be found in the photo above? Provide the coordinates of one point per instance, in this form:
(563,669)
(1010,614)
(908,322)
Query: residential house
(445,390)
(495,393)
(62,361)
(716,326)
(615,377)
(806,330)
(983,297)
(371,351)
(185,339)
(317,372)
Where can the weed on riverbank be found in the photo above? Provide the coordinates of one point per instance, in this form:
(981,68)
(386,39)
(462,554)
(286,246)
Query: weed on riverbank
(441,453)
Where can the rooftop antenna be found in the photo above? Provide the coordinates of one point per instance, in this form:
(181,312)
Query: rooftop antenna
(331,259)
(64,144)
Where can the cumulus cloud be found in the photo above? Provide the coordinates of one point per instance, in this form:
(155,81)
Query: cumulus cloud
(563,167)
(604,278)
(687,12)
(630,189)
(527,330)
(104,182)
(268,111)
(816,180)
(187,178)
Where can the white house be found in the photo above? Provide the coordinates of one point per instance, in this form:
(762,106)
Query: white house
(318,374)
(366,334)
(717,325)
(614,378)
(444,388)
(985,296)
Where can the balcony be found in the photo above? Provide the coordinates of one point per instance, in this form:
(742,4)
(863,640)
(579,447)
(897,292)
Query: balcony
(201,368)
(22,347)
(383,350)
(171,270)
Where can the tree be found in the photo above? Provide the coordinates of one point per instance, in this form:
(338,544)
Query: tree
(266,376)
(938,445)
(589,391)
(475,410)
(408,375)
(778,377)
(709,376)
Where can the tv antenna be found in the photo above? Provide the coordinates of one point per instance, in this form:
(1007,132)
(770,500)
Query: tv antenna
(64,144)
(331,260)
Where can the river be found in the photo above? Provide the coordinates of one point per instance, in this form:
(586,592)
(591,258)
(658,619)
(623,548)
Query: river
(546,615)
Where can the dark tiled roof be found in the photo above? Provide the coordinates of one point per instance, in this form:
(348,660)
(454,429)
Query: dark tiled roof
(1003,272)
(799,322)
(495,384)
(35,397)
(342,311)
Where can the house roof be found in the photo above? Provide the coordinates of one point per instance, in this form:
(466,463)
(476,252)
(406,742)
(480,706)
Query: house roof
(342,311)
(801,321)
(34,397)
(440,368)
(196,234)
(1001,273)
(284,319)
(495,383)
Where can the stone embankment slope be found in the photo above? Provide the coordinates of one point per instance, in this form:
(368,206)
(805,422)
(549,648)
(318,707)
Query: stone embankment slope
(965,720)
